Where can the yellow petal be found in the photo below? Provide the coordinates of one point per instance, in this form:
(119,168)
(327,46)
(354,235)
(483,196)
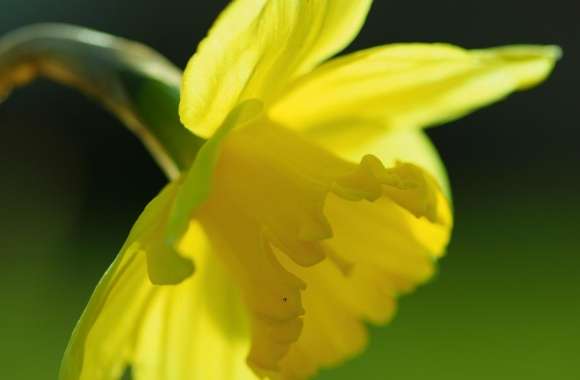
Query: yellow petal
(195,330)
(198,329)
(530,64)
(102,341)
(409,85)
(256,47)
(127,282)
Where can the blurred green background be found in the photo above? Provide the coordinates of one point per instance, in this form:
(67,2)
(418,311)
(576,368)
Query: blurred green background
(506,303)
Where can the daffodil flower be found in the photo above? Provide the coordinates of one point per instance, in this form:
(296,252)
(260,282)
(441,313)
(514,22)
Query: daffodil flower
(314,201)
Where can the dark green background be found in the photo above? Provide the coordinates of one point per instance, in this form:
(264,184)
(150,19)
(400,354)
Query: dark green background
(506,302)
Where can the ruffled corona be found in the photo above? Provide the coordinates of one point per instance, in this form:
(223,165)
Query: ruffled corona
(296,224)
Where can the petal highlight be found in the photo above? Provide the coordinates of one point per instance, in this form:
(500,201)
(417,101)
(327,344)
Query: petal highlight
(410,85)
(102,339)
(102,342)
(196,329)
(256,47)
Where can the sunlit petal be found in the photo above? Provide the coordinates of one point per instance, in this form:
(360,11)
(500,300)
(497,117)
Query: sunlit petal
(256,47)
(198,328)
(410,85)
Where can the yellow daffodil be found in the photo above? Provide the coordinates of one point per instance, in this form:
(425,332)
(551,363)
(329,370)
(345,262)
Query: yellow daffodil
(314,203)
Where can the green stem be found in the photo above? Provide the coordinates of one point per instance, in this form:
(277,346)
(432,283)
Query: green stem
(134,82)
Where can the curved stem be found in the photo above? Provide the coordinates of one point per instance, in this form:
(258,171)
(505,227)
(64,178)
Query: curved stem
(134,82)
